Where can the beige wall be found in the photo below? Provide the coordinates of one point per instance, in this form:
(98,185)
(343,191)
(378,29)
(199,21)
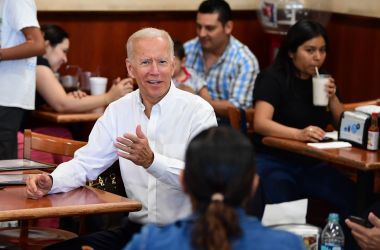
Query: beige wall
(355,7)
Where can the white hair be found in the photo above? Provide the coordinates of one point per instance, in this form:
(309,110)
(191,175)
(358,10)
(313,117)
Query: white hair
(149,33)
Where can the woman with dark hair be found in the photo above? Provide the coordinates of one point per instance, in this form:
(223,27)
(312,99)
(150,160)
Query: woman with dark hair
(219,177)
(50,91)
(284,108)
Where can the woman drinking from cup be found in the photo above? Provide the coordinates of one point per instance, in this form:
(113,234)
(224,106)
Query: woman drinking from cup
(284,108)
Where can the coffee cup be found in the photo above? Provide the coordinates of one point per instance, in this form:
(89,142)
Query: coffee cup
(98,85)
(320,97)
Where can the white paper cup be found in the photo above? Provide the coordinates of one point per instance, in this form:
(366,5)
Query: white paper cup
(98,85)
(320,97)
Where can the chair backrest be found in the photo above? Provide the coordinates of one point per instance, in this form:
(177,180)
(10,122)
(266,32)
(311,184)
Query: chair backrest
(49,144)
(242,119)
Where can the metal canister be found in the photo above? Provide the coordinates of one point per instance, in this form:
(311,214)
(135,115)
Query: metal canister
(309,233)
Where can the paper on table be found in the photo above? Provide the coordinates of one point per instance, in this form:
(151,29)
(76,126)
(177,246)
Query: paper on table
(293,212)
(369,109)
(333,144)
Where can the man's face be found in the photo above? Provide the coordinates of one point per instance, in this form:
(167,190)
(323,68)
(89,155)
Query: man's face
(152,65)
(211,32)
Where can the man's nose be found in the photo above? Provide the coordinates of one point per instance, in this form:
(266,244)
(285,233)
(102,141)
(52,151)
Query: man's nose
(202,32)
(154,68)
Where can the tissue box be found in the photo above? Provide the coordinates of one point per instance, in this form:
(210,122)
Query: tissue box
(353,127)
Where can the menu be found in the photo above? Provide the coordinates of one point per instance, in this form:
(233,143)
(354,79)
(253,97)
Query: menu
(21,164)
(12,179)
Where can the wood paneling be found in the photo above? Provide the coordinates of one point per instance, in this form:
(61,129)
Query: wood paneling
(354,58)
(98,43)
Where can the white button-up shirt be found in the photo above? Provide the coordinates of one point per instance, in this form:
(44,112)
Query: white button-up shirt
(173,122)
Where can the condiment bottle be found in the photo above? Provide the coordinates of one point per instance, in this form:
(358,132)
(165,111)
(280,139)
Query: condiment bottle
(373,133)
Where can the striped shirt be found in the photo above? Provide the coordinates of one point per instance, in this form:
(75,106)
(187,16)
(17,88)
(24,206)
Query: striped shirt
(232,77)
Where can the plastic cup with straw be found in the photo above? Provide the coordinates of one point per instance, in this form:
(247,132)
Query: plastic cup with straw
(320,97)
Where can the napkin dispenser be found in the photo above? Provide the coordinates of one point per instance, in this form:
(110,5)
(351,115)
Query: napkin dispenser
(353,127)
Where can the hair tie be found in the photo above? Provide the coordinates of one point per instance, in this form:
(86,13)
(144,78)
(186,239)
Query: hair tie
(217,197)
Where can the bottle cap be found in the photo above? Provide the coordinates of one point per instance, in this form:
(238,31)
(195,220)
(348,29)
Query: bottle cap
(333,217)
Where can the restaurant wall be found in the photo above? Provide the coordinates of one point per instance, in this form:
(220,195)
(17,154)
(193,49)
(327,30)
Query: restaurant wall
(97,43)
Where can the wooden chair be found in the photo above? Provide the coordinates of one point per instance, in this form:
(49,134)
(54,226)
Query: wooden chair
(49,144)
(242,119)
(27,236)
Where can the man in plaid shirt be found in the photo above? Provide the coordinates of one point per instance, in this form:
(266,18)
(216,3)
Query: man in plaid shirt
(227,65)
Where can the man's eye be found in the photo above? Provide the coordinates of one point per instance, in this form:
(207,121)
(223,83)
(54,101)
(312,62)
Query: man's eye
(144,62)
(163,62)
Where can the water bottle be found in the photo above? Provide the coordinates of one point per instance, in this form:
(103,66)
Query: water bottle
(332,234)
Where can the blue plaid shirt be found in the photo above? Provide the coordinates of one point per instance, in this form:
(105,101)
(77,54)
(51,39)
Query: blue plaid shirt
(232,77)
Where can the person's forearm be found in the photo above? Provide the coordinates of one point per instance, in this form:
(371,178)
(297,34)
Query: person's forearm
(221,107)
(336,109)
(272,128)
(33,46)
(72,104)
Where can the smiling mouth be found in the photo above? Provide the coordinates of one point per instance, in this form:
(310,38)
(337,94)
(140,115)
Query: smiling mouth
(154,81)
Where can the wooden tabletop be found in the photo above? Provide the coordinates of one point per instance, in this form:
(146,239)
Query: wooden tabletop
(353,157)
(56,117)
(14,205)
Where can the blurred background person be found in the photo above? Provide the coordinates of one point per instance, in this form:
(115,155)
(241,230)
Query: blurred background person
(20,42)
(219,177)
(284,108)
(227,65)
(50,90)
(187,79)
(368,238)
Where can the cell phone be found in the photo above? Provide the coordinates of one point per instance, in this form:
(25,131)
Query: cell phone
(360,221)
(326,139)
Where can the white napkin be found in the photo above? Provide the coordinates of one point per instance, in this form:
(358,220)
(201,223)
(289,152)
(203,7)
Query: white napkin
(285,213)
(333,144)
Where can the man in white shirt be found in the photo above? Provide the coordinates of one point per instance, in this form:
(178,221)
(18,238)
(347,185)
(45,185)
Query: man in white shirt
(148,131)
(20,42)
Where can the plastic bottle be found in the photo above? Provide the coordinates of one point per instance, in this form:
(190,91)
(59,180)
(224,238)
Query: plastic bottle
(332,235)
(373,133)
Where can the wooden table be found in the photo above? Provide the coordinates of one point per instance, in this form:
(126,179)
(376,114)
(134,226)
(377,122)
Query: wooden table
(62,118)
(364,162)
(80,124)
(14,205)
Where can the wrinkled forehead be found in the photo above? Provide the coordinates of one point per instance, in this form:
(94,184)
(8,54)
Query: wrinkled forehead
(151,48)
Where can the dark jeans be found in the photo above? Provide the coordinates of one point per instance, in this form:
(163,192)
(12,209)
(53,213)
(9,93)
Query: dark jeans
(285,180)
(10,122)
(107,239)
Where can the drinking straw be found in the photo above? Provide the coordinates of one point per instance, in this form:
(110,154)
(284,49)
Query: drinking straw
(316,71)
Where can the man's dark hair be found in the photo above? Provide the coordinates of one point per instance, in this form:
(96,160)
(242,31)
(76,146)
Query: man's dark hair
(217,6)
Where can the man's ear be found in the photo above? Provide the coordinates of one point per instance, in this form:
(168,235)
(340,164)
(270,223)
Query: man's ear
(128,65)
(228,27)
(182,181)
(291,55)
